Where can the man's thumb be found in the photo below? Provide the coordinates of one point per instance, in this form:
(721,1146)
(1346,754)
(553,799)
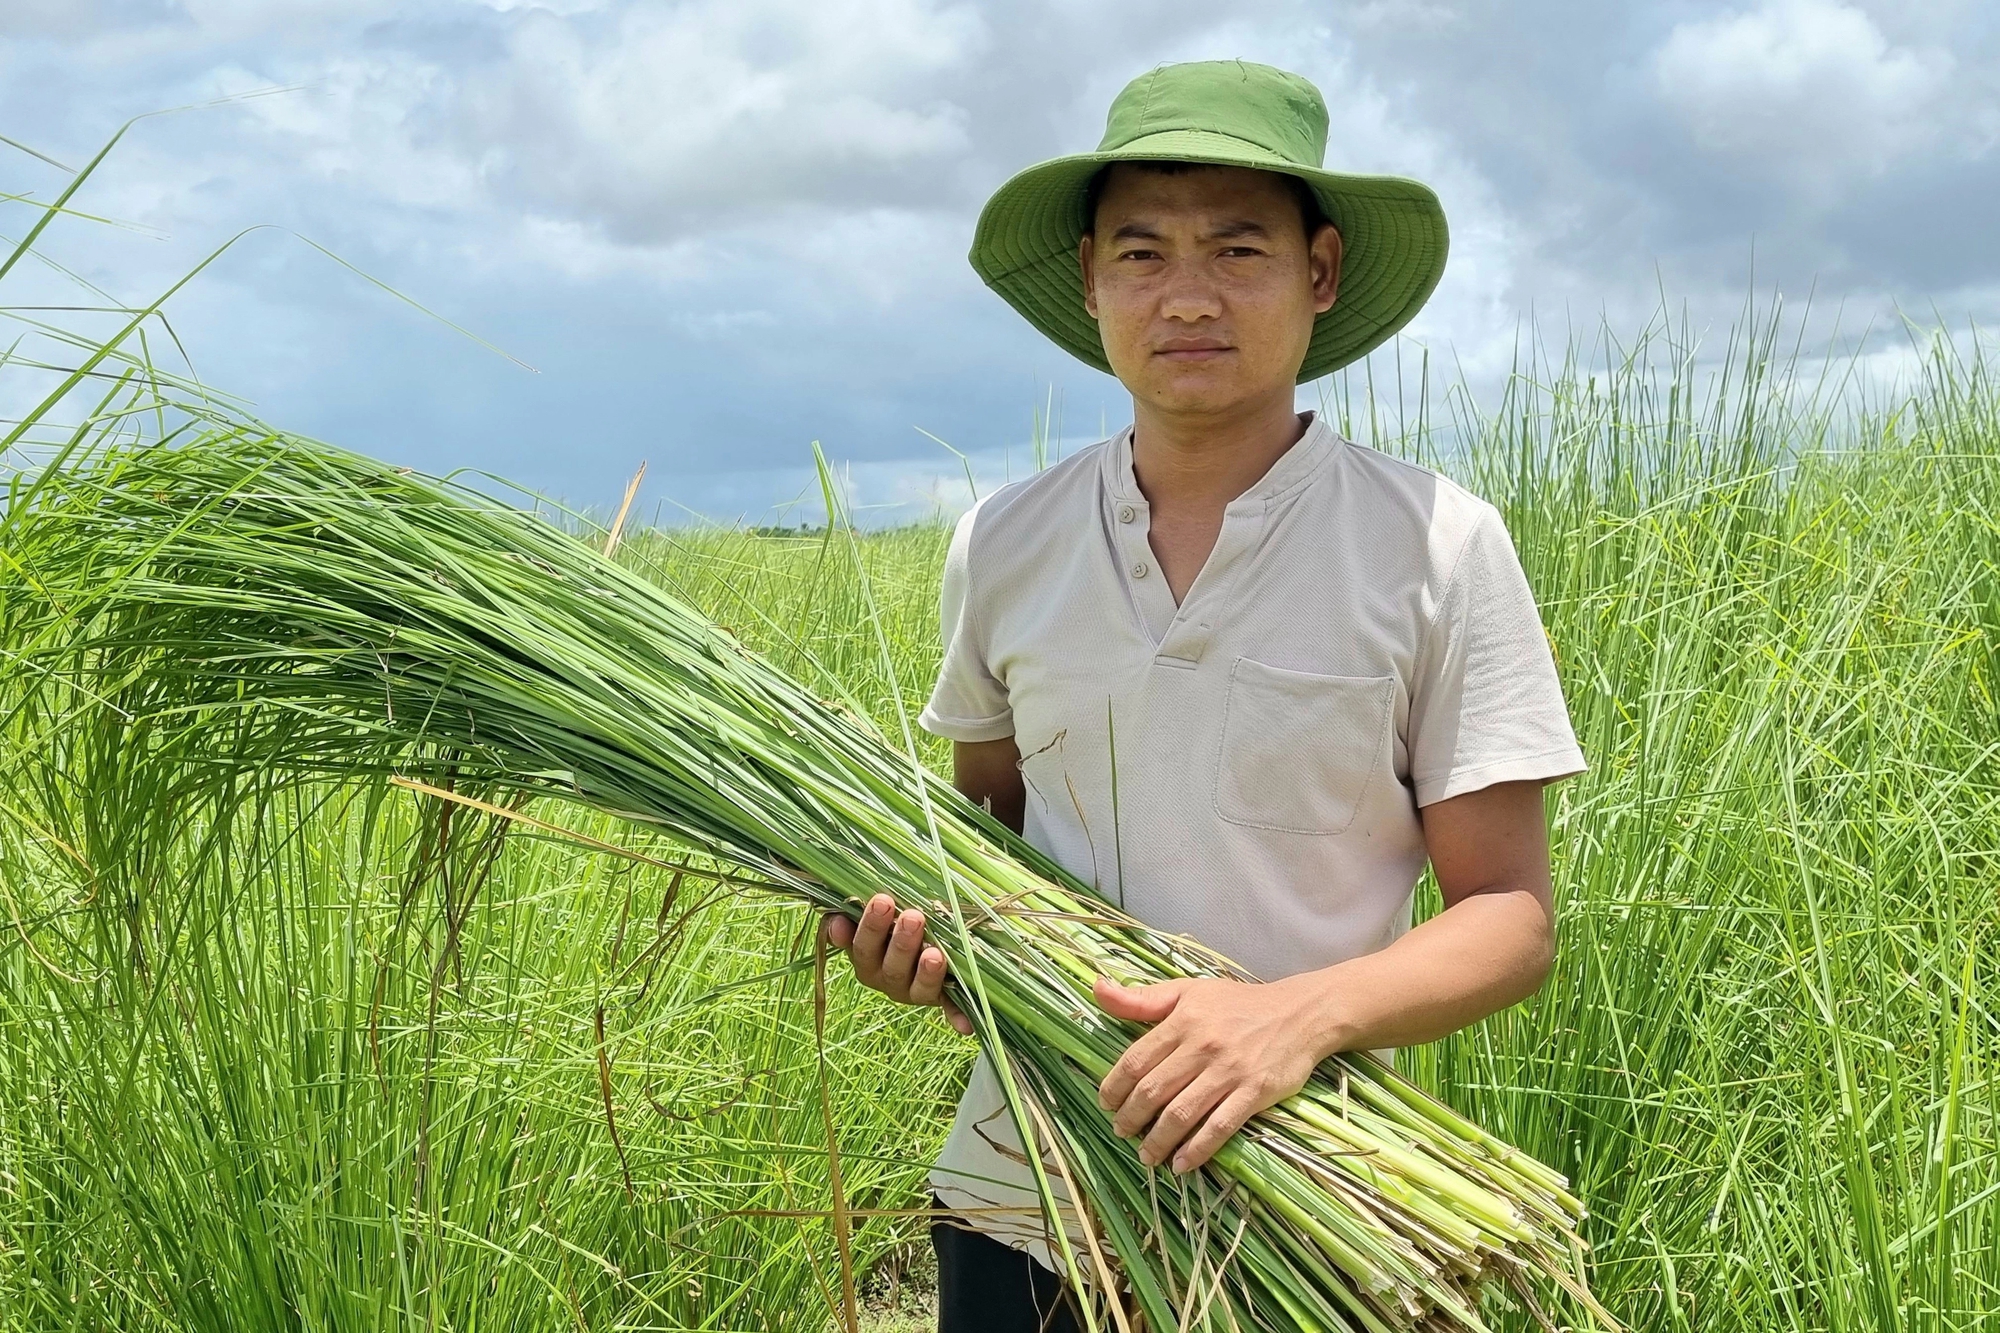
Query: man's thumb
(1140,1004)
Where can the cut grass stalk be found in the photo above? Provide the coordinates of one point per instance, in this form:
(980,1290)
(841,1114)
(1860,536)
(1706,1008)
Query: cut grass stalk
(337,619)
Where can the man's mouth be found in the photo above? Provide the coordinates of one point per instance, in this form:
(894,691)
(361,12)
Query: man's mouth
(1204,349)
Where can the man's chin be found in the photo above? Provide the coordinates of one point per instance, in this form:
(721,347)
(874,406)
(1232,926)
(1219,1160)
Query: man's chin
(1188,391)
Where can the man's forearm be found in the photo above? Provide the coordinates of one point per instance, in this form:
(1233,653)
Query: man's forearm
(1489,950)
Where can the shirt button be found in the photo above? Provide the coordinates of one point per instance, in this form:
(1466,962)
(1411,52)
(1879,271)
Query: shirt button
(1139,570)
(1126,513)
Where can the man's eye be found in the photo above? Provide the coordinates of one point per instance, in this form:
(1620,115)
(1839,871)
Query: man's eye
(1140,254)
(1236,251)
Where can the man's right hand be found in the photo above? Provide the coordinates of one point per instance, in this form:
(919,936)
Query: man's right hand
(889,955)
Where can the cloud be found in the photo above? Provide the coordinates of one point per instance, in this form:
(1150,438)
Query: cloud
(65,18)
(1810,89)
(658,122)
(725,228)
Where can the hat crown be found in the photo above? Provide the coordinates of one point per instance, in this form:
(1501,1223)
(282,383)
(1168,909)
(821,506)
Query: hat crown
(1278,111)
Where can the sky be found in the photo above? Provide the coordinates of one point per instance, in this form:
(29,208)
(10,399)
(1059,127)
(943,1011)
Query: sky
(707,233)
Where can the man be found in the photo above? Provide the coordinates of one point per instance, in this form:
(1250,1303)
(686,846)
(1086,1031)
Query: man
(1312,666)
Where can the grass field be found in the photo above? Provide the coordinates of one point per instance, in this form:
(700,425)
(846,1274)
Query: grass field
(301,1075)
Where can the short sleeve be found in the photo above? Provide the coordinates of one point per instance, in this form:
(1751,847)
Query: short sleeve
(967,704)
(1486,705)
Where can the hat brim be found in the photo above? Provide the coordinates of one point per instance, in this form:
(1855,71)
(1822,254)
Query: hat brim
(1393,245)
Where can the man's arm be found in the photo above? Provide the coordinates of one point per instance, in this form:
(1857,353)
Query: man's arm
(888,947)
(989,774)
(1221,1051)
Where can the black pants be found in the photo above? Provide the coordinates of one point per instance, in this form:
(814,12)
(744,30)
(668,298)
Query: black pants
(987,1287)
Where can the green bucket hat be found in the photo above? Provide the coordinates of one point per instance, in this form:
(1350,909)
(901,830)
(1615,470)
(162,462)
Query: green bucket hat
(1229,113)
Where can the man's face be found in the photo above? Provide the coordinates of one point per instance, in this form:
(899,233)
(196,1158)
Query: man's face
(1204,285)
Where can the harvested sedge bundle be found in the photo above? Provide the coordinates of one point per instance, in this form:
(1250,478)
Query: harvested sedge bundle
(335,618)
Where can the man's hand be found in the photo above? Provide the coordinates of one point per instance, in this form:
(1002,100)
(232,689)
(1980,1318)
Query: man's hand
(890,956)
(1219,1052)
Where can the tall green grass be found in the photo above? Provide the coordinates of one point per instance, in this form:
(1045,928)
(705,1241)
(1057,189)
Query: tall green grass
(303,1071)
(351,1089)
(1769,1049)
(1767,1055)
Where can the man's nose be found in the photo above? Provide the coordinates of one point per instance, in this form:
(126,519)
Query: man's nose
(1190,296)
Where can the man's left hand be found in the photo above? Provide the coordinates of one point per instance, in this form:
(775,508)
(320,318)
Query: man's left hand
(1219,1052)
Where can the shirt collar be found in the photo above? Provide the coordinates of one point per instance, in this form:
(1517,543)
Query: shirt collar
(1295,467)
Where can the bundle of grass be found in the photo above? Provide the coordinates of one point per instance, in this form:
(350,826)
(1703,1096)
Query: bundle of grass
(242,603)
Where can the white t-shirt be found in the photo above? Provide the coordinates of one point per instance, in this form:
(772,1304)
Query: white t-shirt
(1360,642)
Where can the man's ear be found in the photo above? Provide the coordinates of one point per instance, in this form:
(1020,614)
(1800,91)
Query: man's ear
(1324,263)
(1085,248)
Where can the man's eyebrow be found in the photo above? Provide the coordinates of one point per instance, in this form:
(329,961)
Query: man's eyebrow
(1233,231)
(1228,231)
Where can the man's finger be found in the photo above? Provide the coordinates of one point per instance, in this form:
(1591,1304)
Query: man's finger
(1135,1064)
(899,962)
(871,938)
(927,986)
(839,931)
(1140,1004)
(1224,1120)
(1153,1093)
(956,1017)
(1181,1117)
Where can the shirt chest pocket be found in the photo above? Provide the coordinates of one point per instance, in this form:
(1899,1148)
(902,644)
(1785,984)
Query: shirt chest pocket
(1299,749)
